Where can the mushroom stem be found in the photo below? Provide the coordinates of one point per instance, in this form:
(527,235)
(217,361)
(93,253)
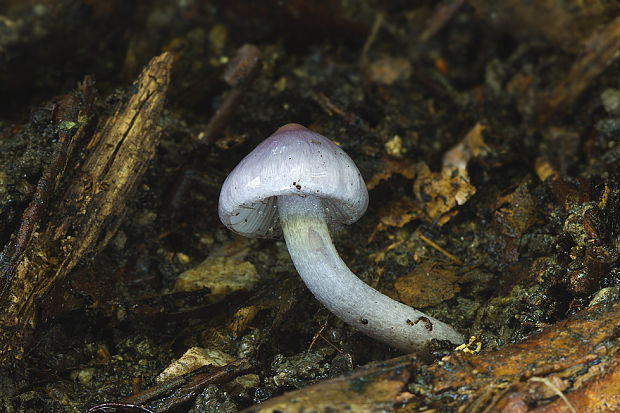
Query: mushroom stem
(337,288)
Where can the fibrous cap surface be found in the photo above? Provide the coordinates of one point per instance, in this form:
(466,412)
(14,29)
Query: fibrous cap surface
(292,161)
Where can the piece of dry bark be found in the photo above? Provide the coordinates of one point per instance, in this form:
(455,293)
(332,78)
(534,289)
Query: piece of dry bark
(577,358)
(85,211)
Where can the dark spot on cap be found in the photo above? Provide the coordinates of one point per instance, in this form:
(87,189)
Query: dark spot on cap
(364,321)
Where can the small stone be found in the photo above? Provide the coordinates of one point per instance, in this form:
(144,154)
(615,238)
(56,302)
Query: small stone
(248,380)
(394,147)
(611,101)
(242,384)
(607,294)
(84,376)
(608,125)
(388,70)
(182,258)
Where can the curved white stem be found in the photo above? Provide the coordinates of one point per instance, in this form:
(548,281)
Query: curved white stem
(350,299)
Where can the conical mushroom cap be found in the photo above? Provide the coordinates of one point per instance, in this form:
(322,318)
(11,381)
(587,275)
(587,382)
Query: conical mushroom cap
(292,161)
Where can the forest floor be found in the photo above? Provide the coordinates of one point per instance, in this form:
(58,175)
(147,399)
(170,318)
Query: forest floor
(488,138)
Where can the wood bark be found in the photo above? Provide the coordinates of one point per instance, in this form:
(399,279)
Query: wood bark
(96,172)
(570,366)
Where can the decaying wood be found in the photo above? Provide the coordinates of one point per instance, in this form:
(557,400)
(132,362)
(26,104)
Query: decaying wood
(565,24)
(185,388)
(375,387)
(87,208)
(576,358)
(600,51)
(573,353)
(179,390)
(70,115)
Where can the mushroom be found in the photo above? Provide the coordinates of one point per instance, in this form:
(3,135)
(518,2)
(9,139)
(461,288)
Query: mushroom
(298,183)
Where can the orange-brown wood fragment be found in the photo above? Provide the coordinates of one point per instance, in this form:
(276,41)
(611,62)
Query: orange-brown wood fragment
(544,170)
(564,351)
(437,193)
(242,319)
(579,357)
(85,215)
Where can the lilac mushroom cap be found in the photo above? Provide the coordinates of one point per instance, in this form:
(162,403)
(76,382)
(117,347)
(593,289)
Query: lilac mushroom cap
(300,184)
(292,161)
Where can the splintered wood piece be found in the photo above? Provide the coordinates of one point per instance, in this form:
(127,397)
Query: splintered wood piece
(88,207)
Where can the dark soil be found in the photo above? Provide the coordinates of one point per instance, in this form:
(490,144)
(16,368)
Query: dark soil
(535,247)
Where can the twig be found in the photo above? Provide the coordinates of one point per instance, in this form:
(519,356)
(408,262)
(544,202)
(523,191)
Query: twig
(239,74)
(444,12)
(185,388)
(331,108)
(116,405)
(372,36)
(317,335)
(557,391)
(452,257)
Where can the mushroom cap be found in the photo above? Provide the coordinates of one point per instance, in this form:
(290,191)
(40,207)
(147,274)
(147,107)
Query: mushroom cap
(292,161)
